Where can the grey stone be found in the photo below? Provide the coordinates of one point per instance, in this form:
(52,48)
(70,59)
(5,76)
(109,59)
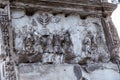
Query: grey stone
(49,72)
(58,40)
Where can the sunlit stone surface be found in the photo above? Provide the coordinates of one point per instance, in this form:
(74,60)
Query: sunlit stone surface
(49,72)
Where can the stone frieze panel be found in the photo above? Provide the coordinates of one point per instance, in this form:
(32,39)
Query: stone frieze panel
(48,38)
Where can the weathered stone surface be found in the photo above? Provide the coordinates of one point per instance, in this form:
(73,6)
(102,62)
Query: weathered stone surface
(95,66)
(82,7)
(51,41)
(58,40)
(49,72)
(106,74)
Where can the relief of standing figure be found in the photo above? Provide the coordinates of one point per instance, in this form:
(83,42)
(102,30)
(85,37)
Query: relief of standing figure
(90,46)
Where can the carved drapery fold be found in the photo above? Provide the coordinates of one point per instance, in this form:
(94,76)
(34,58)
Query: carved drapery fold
(34,43)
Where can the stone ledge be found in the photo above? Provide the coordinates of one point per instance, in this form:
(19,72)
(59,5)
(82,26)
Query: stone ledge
(81,7)
(36,71)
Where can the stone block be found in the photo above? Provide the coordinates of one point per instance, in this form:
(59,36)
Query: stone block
(36,71)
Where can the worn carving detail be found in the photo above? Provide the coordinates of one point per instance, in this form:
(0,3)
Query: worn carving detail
(9,70)
(47,48)
(41,38)
(9,64)
(90,47)
(44,19)
(4,24)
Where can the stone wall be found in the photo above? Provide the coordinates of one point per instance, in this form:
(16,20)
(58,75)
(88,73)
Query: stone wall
(58,35)
(58,40)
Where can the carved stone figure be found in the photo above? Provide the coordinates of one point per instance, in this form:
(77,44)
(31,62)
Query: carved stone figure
(52,36)
(47,43)
(57,44)
(90,46)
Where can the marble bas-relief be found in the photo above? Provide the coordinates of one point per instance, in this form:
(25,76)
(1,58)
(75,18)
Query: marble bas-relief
(56,43)
(43,45)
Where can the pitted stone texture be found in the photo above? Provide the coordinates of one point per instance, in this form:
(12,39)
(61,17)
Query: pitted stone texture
(58,39)
(49,72)
(105,74)
(96,66)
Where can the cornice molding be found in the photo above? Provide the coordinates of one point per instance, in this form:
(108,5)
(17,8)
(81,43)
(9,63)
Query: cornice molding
(65,6)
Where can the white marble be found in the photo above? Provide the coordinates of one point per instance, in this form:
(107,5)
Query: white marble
(48,72)
(58,24)
(105,74)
